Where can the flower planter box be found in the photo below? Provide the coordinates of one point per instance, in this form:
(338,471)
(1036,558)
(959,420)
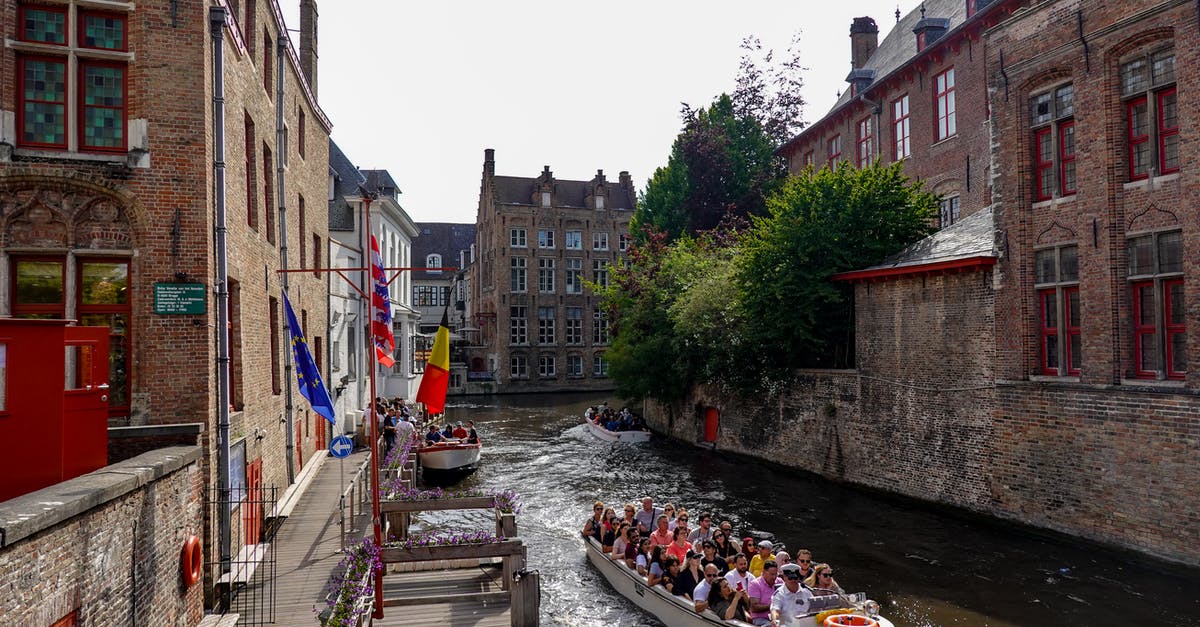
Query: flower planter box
(506,548)
(429,505)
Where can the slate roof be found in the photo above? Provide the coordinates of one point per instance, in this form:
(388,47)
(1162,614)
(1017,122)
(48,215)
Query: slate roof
(346,180)
(973,236)
(518,190)
(381,181)
(442,238)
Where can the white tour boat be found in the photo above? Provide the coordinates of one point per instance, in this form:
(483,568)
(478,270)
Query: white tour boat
(616,436)
(452,456)
(677,611)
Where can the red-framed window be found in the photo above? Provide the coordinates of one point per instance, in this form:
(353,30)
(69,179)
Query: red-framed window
(38,287)
(834,148)
(104,300)
(42,113)
(947,124)
(1151,114)
(102,111)
(808,159)
(1066,157)
(273,324)
(1145,330)
(1157,291)
(1051,114)
(921,41)
(864,142)
(1056,280)
(1175,328)
(99,30)
(269,193)
(1043,160)
(251,173)
(300,240)
(900,128)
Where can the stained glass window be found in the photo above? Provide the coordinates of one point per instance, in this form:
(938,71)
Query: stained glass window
(48,26)
(44,114)
(103,31)
(103,107)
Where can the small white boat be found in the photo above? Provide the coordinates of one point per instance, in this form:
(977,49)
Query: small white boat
(616,436)
(449,456)
(672,610)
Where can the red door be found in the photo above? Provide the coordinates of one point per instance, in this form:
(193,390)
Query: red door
(85,400)
(252,508)
(711,420)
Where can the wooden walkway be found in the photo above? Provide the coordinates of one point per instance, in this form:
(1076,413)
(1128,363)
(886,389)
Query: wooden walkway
(468,595)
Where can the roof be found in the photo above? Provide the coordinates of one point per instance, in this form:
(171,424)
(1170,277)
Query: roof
(965,244)
(346,182)
(518,190)
(440,238)
(381,182)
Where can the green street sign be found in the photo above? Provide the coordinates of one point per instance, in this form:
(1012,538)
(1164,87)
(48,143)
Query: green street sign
(180,298)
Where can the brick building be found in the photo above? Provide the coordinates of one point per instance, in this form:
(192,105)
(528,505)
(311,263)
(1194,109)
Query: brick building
(444,245)
(107,191)
(539,239)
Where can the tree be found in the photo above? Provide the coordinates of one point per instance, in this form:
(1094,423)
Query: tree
(770,92)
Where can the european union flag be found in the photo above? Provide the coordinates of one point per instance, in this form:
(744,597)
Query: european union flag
(307,375)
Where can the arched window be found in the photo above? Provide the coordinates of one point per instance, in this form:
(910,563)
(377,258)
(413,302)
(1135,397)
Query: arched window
(434,263)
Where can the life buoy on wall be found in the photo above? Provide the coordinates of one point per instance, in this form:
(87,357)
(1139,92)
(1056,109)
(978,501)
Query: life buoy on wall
(192,559)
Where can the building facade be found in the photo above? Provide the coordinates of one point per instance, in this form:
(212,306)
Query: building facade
(447,251)
(541,241)
(108,136)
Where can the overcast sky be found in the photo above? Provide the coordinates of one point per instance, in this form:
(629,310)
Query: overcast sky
(422,88)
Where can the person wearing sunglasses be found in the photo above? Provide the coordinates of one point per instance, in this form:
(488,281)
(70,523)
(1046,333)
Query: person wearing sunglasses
(681,520)
(805,561)
(791,600)
(822,580)
(594,526)
(725,548)
(630,516)
(703,589)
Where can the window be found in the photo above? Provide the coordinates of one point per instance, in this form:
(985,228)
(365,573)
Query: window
(574,276)
(251,175)
(518,367)
(546,367)
(599,241)
(516,238)
(316,254)
(900,127)
(599,326)
(545,199)
(430,295)
(273,312)
(518,326)
(600,272)
(599,202)
(86,66)
(864,142)
(1052,118)
(834,146)
(269,193)
(516,274)
(545,238)
(433,264)
(574,326)
(268,63)
(948,211)
(573,240)
(300,229)
(599,365)
(1056,279)
(574,371)
(1159,329)
(623,242)
(1151,115)
(302,130)
(546,331)
(545,275)
(808,159)
(944,98)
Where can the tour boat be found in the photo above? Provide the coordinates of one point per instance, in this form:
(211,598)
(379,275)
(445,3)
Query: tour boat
(616,436)
(452,456)
(677,611)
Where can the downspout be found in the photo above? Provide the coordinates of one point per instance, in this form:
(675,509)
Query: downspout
(281,148)
(216,20)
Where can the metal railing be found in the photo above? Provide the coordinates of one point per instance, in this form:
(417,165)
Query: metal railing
(355,497)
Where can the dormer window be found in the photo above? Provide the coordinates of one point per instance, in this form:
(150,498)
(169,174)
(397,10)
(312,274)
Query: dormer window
(433,264)
(599,202)
(545,199)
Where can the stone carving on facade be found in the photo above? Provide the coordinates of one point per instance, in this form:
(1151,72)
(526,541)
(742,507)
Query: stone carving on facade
(55,218)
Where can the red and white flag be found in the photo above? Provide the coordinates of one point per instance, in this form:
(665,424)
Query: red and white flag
(381,305)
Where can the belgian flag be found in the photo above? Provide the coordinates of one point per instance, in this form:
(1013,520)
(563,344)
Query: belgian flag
(437,370)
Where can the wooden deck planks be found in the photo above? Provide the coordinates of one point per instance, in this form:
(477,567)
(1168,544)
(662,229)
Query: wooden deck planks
(459,614)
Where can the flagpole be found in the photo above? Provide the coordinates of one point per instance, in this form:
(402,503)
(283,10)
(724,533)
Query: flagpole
(374,426)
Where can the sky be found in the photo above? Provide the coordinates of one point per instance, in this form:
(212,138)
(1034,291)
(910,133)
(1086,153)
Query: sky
(422,88)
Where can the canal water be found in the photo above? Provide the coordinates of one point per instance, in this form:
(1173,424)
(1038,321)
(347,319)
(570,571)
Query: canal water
(925,567)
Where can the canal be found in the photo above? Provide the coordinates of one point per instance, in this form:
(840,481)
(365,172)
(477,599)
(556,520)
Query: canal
(926,567)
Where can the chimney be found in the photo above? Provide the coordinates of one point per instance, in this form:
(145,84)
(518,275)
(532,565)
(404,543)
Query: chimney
(489,162)
(308,42)
(864,39)
(626,180)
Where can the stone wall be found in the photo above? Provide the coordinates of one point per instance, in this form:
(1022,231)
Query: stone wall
(109,547)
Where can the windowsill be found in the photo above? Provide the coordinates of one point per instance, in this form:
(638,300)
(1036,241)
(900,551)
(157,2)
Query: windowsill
(943,141)
(1152,182)
(1057,200)
(1154,383)
(44,153)
(1050,378)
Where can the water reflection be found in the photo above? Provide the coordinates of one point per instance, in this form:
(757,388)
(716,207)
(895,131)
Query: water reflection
(925,567)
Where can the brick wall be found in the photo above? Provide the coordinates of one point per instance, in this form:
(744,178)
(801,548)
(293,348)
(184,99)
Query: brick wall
(109,548)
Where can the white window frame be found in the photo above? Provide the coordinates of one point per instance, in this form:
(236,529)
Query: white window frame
(573,240)
(517,238)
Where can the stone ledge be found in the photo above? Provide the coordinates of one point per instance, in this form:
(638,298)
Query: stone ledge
(150,431)
(30,513)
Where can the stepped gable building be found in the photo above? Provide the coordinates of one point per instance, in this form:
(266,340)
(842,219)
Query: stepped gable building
(539,240)
(108,201)
(448,250)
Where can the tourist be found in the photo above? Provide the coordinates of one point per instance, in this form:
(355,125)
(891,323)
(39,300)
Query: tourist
(662,536)
(689,576)
(670,572)
(609,537)
(460,432)
(791,600)
(679,546)
(658,566)
(630,510)
(405,429)
(804,560)
(783,558)
(594,526)
(681,520)
(588,413)
(710,557)
(647,515)
(727,603)
(644,552)
(822,580)
(609,516)
(739,577)
(621,537)
(433,437)
(704,588)
(669,510)
(704,531)
(726,527)
(633,540)
(748,547)
(760,593)
(448,432)
(389,431)
(764,555)
(472,436)
(725,548)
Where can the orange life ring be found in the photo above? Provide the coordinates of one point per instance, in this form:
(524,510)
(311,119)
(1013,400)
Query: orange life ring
(193,561)
(850,620)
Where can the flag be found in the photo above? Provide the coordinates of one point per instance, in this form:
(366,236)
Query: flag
(437,370)
(381,304)
(308,377)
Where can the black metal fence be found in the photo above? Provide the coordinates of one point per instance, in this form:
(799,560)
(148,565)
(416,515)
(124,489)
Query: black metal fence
(245,585)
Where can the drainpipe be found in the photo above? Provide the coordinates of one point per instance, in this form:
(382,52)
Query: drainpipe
(216,20)
(281,150)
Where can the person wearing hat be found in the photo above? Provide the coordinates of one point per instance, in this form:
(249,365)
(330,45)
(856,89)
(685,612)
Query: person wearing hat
(709,548)
(764,555)
(459,431)
(791,600)
(690,575)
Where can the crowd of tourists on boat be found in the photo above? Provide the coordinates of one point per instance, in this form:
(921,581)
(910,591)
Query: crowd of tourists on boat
(401,421)
(701,560)
(613,420)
